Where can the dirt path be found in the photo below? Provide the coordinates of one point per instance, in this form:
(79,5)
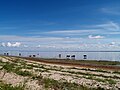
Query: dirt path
(74,64)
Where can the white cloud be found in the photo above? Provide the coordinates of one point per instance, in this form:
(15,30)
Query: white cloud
(9,44)
(25,45)
(66,43)
(17,44)
(112,43)
(95,37)
(113,10)
(72,32)
(3,44)
(27,39)
(109,26)
(38,46)
(103,28)
(113,33)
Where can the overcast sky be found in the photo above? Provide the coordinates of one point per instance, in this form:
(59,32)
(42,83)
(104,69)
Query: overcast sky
(60,24)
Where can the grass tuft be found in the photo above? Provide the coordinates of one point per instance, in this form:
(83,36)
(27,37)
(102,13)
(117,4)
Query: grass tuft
(4,86)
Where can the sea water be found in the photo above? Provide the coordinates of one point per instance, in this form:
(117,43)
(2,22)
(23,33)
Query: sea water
(90,55)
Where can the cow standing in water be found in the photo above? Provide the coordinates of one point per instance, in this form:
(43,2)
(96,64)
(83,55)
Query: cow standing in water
(19,54)
(85,56)
(73,57)
(34,55)
(68,56)
(60,56)
(7,54)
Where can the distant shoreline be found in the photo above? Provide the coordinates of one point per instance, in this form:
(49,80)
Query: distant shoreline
(111,65)
(55,51)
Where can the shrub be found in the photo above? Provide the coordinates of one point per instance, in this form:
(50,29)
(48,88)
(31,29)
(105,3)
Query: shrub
(4,86)
(24,73)
(8,67)
(110,81)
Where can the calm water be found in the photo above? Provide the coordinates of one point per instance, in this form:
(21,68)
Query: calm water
(112,56)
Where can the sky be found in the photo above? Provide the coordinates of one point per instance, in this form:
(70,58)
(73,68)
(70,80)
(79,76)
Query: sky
(60,24)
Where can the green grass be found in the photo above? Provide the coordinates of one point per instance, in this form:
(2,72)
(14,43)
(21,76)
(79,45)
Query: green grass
(4,86)
(99,80)
(24,73)
(12,67)
(116,72)
(32,65)
(110,81)
(96,70)
(60,85)
(94,78)
(88,74)
(8,66)
(57,85)
(51,83)
(101,62)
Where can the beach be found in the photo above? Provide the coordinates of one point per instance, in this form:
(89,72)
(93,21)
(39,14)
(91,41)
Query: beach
(56,74)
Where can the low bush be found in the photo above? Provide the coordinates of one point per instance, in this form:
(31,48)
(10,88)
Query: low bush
(4,86)
(24,73)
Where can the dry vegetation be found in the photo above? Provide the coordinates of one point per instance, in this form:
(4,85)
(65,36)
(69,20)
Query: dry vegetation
(25,74)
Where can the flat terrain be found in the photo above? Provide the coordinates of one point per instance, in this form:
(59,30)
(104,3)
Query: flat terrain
(18,73)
